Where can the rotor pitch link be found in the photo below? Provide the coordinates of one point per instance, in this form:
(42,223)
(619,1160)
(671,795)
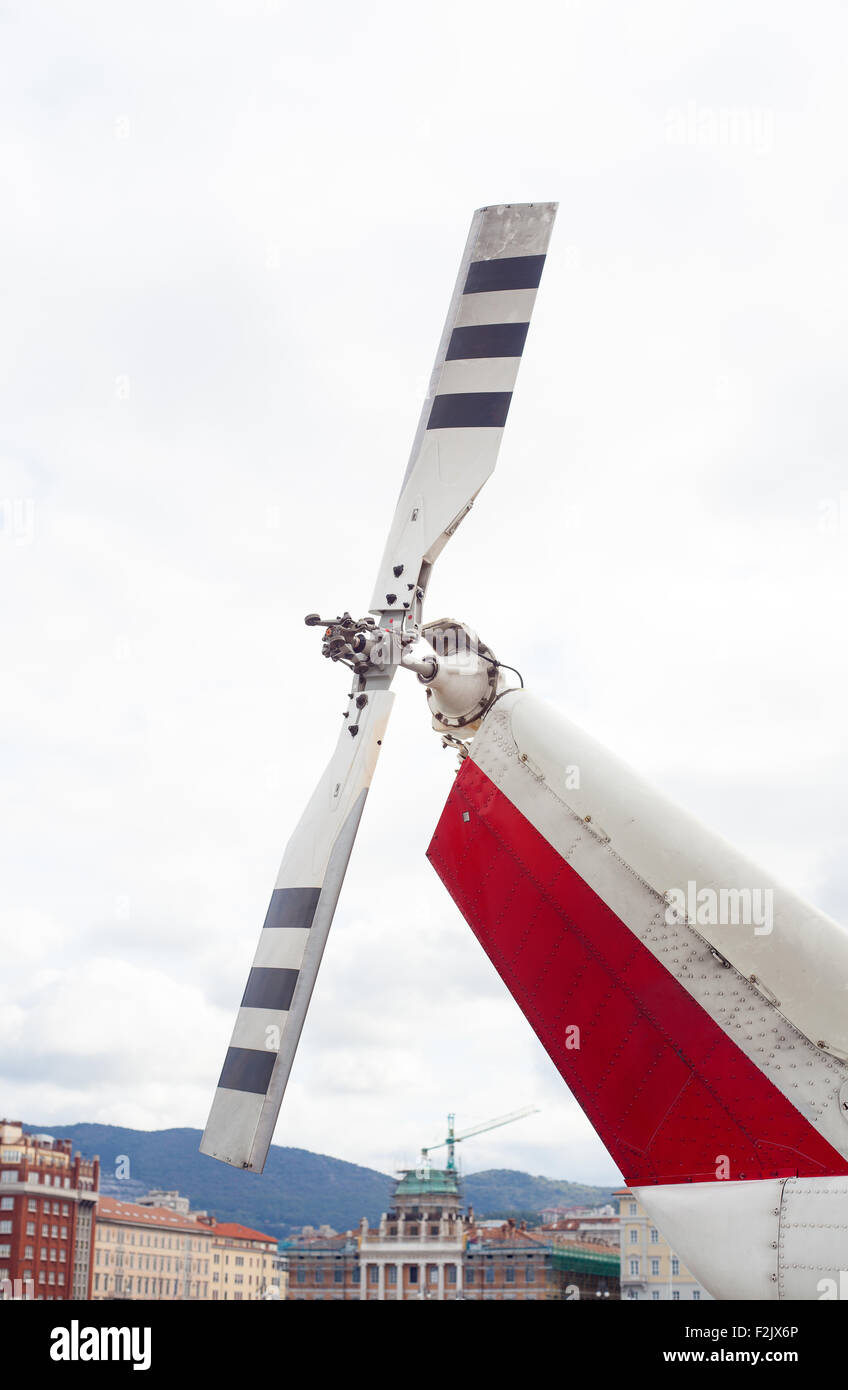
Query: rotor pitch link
(361,643)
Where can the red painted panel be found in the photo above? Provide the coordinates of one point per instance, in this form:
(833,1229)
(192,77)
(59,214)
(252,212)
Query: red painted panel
(671,1095)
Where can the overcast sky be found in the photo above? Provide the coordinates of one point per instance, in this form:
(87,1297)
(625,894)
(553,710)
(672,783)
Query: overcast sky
(229,236)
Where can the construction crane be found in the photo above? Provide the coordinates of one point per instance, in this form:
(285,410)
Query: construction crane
(453,1139)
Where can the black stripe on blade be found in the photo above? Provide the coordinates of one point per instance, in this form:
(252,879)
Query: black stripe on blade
(269,988)
(487,340)
(292,907)
(469,410)
(504,273)
(247,1070)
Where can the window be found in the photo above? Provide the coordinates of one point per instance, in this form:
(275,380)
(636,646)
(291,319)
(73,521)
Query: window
(30,1228)
(675,1265)
(301,1276)
(634,1267)
(29,1253)
(490,1274)
(413,1274)
(451,1269)
(319,1276)
(373,1274)
(631,1293)
(510,1274)
(5,1228)
(392,1272)
(632,1208)
(655,1295)
(634,1234)
(7,1204)
(655,1266)
(655,1235)
(676,1295)
(9,1175)
(433,1274)
(696,1294)
(530,1274)
(32,1204)
(338,1276)
(5,1251)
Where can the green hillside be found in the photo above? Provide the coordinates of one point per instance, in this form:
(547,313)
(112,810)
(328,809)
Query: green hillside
(506,1192)
(298,1188)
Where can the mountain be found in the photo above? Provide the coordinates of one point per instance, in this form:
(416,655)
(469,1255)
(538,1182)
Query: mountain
(506,1192)
(298,1188)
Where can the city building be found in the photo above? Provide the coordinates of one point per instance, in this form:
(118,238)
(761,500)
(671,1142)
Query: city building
(602,1229)
(650,1269)
(552,1216)
(174,1201)
(424,1247)
(586,1269)
(508,1263)
(147,1252)
(322,1266)
(47,1201)
(244,1263)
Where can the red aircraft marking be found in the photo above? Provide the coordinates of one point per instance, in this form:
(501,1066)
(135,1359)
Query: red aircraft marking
(668,1091)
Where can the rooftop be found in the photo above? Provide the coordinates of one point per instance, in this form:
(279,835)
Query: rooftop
(160,1218)
(417,1182)
(233,1231)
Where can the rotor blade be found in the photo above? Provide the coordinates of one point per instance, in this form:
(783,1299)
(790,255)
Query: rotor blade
(456,444)
(273,1008)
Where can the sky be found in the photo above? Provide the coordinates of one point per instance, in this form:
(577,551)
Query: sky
(229,238)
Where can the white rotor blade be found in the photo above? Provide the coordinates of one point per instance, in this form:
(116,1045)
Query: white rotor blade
(273,1008)
(456,445)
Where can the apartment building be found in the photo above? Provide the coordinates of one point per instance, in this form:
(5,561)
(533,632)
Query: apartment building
(47,1201)
(650,1269)
(146,1252)
(244,1263)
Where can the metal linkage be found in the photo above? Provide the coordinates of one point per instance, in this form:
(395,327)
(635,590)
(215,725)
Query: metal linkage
(364,645)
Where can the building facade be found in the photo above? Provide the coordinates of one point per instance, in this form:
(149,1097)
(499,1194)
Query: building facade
(424,1247)
(586,1270)
(244,1264)
(47,1201)
(143,1252)
(650,1270)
